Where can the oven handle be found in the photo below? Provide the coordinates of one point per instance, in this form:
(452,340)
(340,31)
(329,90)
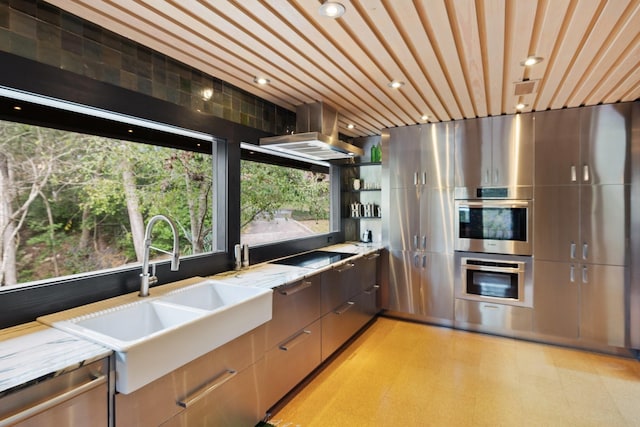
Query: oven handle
(494,203)
(493,269)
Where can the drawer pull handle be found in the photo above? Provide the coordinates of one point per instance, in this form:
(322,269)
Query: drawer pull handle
(50,403)
(345,267)
(207,388)
(295,340)
(344,308)
(372,289)
(294,289)
(372,256)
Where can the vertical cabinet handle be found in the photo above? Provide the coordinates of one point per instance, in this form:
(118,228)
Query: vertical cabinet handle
(585,250)
(487,176)
(585,274)
(585,173)
(415,242)
(424,178)
(415,178)
(424,261)
(572,273)
(573,250)
(497,176)
(416,260)
(424,242)
(574,176)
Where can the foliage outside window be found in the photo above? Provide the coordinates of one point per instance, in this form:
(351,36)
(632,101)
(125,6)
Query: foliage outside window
(281,203)
(73,203)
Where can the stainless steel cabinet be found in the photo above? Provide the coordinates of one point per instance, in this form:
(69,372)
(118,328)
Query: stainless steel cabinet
(76,398)
(494,151)
(349,301)
(290,362)
(556,299)
(581,223)
(200,385)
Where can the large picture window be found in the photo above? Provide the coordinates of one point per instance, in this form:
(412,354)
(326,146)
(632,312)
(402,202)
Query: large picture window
(73,203)
(279,203)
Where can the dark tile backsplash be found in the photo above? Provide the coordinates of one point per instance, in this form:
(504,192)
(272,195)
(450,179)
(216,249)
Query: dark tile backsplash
(42,32)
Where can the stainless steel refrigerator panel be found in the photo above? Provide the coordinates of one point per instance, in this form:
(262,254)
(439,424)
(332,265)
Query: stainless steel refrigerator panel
(602,304)
(440,236)
(472,153)
(405,160)
(634,287)
(557,147)
(604,224)
(436,143)
(404,282)
(605,144)
(437,287)
(556,299)
(556,224)
(512,151)
(404,219)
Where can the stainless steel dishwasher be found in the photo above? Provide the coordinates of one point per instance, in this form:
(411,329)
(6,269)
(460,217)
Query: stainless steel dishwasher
(79,397)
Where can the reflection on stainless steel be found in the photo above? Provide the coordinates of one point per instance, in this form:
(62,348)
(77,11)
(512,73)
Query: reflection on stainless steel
(634,293)
(419,199)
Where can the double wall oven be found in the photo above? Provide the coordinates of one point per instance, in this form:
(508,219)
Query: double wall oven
(493,243)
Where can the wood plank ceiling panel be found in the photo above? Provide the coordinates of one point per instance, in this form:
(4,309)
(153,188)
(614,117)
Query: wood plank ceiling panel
(458,58)
(409,23)
(551,14)
(619,38)
(574,29)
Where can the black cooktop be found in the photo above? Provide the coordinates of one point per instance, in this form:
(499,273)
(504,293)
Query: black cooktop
(314,259)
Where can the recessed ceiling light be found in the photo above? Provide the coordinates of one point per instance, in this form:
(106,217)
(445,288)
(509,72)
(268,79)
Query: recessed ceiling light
(521,106)
(207,94)
(261,80)
(531,60)
(424,117)
(130,130)
(351,126)
(395,84)
(17,108)
(332,9)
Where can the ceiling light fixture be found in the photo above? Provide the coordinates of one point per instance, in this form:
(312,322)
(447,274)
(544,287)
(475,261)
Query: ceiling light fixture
(521,106)
(531,60)
(261,80)
(17,108)
(395,84)
(424,117)
(332,9)
(207,94)
(351,126)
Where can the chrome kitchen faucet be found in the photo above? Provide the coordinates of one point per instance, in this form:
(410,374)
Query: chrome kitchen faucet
(151,279)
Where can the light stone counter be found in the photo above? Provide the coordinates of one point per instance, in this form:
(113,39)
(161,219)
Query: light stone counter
(33,352)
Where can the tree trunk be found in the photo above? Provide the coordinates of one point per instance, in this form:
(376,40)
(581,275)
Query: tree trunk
(133,208)
(86,230)
(8,271)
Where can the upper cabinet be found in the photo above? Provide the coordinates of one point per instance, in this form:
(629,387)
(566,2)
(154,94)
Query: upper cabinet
(494,152)
(583,145)
(421,156)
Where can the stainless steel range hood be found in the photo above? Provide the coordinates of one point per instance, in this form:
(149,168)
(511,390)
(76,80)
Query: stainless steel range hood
(316,136)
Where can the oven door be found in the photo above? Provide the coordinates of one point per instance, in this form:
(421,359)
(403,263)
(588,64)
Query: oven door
(494,226)
(505,281)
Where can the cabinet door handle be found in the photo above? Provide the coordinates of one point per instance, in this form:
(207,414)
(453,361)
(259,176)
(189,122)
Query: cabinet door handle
(294,289)
(585,173)
(585,250)
(497,176)
(585,274)
(345,267)
(424,261)
(207,388)
(56,400)
(295,340)
(573,250)
(487,176)
(415,178)
(344,308)
(416,260)
(372,256)
(424,242)
(424,178)
(415,242)
(572,274)
(371,289)
(574,176)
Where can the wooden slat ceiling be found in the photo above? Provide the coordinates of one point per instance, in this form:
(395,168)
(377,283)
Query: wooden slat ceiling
(458,58)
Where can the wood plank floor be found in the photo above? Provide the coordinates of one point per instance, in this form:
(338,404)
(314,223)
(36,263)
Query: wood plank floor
(406,374)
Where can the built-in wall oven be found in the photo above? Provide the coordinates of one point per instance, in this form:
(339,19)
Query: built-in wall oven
(501,279)
(494,226)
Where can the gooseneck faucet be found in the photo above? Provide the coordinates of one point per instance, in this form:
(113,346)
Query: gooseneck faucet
(147,279)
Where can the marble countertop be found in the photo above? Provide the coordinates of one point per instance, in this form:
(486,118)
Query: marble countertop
(35,351)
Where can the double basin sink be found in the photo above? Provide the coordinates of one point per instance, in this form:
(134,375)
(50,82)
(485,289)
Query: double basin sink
(156,335)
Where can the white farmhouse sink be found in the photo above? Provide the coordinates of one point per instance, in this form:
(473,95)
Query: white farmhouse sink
(156,335)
